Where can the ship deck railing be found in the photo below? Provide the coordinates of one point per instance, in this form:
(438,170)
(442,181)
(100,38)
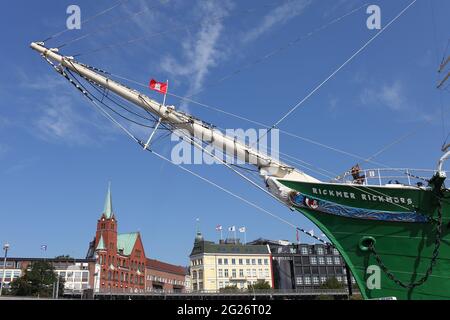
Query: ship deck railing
(392,177)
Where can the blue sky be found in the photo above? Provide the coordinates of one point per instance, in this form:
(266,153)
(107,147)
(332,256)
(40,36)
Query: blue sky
(57,153)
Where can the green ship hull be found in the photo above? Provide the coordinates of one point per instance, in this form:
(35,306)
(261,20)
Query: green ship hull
(400,221)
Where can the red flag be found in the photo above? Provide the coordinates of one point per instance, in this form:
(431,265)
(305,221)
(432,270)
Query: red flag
(158,86)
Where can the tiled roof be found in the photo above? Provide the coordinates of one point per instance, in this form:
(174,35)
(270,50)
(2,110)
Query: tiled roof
(126,241)
(203,246)
(165,267)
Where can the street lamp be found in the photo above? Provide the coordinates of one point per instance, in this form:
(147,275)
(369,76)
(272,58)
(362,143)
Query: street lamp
(5,247)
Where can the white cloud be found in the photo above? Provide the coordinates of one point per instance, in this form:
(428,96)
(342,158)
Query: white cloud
(61,122)
(200,51)
(389,95)
(279,15)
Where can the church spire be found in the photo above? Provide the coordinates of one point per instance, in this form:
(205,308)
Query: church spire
(108,210)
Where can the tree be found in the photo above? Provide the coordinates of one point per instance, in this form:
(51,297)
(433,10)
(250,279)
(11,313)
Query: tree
(232,288)
(38,280)
(332,283)
(259,285)
(66,257)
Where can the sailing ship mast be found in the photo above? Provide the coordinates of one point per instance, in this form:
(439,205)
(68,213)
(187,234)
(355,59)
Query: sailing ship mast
(268,167)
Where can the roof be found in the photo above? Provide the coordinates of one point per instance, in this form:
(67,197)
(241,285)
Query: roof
(108,209)
(101,244)
(203,246)
(126,241)
(165,267)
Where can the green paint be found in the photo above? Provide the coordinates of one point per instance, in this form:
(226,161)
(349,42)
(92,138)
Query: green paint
(405,247)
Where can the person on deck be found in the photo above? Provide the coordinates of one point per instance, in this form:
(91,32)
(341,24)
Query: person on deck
(357,177)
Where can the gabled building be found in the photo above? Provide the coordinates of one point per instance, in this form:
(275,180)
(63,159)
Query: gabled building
(215,266)
(120,256)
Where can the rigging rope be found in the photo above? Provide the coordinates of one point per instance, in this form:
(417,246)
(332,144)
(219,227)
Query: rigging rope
(106,27)
(183,27)
(127,132)
(251,181)
(272,53)
(120,2)
(354,55)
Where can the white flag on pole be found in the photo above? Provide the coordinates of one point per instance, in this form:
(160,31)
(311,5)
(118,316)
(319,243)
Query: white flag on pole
(242,229)
(311,232)
(232,228)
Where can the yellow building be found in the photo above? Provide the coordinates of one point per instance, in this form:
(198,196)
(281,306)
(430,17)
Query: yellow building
(228,263)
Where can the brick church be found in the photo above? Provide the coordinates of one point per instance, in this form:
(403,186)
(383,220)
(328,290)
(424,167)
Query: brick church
(120,256)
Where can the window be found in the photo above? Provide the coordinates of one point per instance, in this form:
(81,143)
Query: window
(233,261)
(220,284)
(219,261)
(299,281)
(254,273)
(319,250)
(225,261)
(233,273)
(339,278)
(260,261)
(313,260)
(241,273)
(335,251)
(337,260)
(220,273)
(241,261)
(304,250)
(315,280)
(226,273)
(267,273)
(329,260)
(247,261)
(307,280)
(323,279)
(266,261)
(85,277)
(253,261)
(249,273)
(321,260)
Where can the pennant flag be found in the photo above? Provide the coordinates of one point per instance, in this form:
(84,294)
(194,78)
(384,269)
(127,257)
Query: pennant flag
(158,86)
(242,229)
(233,228)
(44,247)
(219,227)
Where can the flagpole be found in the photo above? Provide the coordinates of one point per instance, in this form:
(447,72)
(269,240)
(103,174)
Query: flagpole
(221,235)
(165,94)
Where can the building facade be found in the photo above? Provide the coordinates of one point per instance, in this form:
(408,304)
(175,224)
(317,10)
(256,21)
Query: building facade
(305,266)
(78,274)
(164,277)
(120,257)
(228,263)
